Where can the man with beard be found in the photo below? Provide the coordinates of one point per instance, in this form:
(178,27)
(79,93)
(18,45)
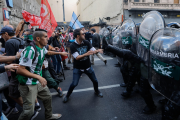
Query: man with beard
(81,50)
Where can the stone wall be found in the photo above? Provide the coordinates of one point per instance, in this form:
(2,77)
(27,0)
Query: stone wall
(32,6)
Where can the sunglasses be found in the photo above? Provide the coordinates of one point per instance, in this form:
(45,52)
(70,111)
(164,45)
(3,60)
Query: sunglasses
(83,34)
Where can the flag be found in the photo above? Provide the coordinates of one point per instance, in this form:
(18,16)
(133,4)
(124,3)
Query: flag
(48,21)
(31,18)
(75,24)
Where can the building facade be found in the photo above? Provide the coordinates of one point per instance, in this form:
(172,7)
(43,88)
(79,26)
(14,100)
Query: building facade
(15,12)
(109,11)
(69,7)
(170,9)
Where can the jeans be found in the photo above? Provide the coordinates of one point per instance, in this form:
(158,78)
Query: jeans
(76,76)
(57,63)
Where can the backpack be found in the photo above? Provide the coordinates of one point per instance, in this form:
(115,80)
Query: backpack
(24,44)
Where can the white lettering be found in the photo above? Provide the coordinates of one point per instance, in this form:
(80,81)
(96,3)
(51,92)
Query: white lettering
(169,55)
(163,54)
(176,56)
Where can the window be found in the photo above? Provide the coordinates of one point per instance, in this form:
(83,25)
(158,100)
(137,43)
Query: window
(156,1)
(143,0)
(136,0)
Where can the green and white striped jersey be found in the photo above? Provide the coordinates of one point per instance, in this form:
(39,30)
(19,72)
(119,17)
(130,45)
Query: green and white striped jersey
(26,60)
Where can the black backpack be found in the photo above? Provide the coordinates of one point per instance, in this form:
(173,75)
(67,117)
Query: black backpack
(24,44)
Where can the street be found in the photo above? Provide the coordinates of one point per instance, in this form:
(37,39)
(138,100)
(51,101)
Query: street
(85,105)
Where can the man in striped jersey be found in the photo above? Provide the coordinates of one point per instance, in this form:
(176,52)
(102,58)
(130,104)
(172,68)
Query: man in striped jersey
(32,85)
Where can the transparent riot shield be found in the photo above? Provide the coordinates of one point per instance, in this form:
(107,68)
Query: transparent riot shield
(152,21)
(164,63)
(128,35)
(103,32)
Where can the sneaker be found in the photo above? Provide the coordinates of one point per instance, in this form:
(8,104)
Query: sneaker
(99,94)
(15,111)
(8,111)
(34,115)
(37,108)
(65,99)
(55,116)
(60,92)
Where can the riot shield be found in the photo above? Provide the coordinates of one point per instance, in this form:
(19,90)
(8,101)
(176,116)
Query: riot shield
(103,32)
(128,35)
(152,21)
(164,63)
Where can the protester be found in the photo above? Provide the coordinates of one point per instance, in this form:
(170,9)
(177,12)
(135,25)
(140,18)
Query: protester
(11,48)
(53,41)
(68,43)
(81,49)
(62,40)
(32,85)
(88,35)
(51,83)
(10,67)
(97,45)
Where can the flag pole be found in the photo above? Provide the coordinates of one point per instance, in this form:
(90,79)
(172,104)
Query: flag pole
(75,21)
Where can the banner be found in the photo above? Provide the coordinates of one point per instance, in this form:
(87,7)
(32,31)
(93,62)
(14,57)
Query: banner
(31,18)
(75,24)
(48,21)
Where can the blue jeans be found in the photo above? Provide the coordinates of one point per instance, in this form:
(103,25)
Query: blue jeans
(76,76)
(56,63)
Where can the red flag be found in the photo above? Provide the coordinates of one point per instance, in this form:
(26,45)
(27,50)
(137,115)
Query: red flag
(32,19)
(63,50)
(48,21)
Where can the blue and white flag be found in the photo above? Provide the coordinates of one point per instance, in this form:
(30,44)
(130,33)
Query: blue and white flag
(75,24)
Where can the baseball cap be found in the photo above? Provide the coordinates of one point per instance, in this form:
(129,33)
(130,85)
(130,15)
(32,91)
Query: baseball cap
(6,29)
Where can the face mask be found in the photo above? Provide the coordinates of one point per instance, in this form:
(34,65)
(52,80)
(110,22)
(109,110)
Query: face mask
(30,37)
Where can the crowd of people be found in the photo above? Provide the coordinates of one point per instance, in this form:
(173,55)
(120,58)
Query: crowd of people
(35,63)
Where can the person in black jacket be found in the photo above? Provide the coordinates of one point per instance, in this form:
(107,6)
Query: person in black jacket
(97,45)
